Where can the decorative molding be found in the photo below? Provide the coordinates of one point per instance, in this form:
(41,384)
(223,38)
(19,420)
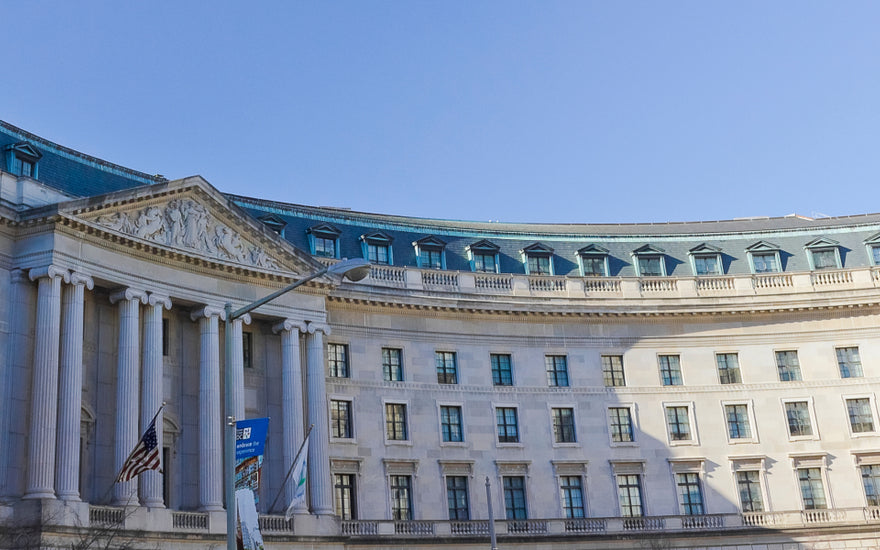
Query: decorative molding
(77,278)
(207,311)
(290,324)
(128,294)
(51,271)
(159,299)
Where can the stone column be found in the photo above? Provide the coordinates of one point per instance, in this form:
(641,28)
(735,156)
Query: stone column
(237,367)
(291,400)
(44,388)
(70,387)
(210,421)
(127,386)
(321,488)
(151,392)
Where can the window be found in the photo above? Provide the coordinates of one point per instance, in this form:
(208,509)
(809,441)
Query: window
(344,495)
(457,497)
(563,425)
(678,424)
(849,362)
(707,264)
(766,262)
(812,488)
(446,369)
(738,426)
(539,265)
(861,419)
(798,415)
(629,493)
(430,253)
(378,254)
(376,248)
(450,423)
(430,258)
(485,263)
(728,368)
(502,374)
(483,256)
(612,370)
(621,424)
(557,370)
(875,254)
(22,159)
(538,259)
(748,483)
(788,366)
(165,333)
(340,419)
(650,266)
(871,482)
(395,422)
(324,240)
(401,497)
(392,368)
(325,247)
(508,430)
(670,370)
(690,495)
(594,266)
(571,488)
(247,341)
(515,497)
(825,258)
(337,359)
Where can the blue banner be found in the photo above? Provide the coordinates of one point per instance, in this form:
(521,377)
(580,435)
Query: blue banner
(250,437)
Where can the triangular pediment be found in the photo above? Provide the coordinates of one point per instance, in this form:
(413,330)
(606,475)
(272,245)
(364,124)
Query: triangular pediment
(649,249)
(377,237)
(538,248)
(325,230)
(821,242)
(274,222)
(705,248)
(762,246)
(430,242)
(873,239)
(27,150)
(593,249)
(483,245)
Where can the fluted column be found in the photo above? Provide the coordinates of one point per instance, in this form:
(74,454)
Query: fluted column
(70,387)
(321,492)
(127,386)
(151,392)
(210,421)
(291,399)
(44,388)
(238,366)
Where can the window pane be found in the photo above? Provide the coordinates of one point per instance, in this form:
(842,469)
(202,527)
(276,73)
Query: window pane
(446,369)
(621,424)
(788,366)
(728,368)
(395,421)
(861,420)
(594,266)
(325,247)
(678,423)
(689,493)
(650,266)
(457,497)
(798,415)
(515,497)
(572,496)
(401,498)
(505,418)
(563,425)
(501,371)
(337,359)
(392,369)
(539,265)
(430,258)
(344,493)
(377,254)
(612,370)
(670,370)
(849,362)
(450,423)
(557,370)
(871,482)
(484,263)
(825,259)
(765,262)
(749,486)
(812,489)
(738,421)
(629,493)
(707,265)
(340,418)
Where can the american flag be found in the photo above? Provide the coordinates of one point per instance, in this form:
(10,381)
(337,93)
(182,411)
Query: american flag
(145,455)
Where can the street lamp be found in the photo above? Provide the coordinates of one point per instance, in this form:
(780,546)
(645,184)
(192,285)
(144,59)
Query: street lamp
(354,269)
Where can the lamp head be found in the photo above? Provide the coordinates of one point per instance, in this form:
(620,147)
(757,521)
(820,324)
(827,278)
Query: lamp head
(354,269)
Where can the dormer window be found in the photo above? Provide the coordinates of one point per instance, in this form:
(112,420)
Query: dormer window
(274,223)
(873,247)
(430,253)
(22,158)
(706,260)
(483,256)
(538,259)
(324,240)
(593,261)
(764,257)
(650,261)
(376,248)
(823,253)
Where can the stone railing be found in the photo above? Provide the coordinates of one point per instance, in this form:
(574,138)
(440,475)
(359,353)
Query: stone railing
(276,524)
(104,516)
(493,283)
(189,520)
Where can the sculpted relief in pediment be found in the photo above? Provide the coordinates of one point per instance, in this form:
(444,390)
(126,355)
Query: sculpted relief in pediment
(186,224)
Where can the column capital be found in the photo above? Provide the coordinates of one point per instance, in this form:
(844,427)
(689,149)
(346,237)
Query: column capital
(207,312)
(51,271)
(128,294)
(77,278)
(246,318)
(314,326)
(290,324)
(156,299)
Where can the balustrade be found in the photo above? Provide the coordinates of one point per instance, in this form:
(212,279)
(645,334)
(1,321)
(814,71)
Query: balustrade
(653,285)
(414,527)
(702,522)
(445,279)
(527,526)
(585,525)
(469,527)
(824,278)
(714,284)
(546,284)
(104,516)
(772,281)
(388,275)
(601,286)
(189,520)
(276,524)
(360,528)
(502,283)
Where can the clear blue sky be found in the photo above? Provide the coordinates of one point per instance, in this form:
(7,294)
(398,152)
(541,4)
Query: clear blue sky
(634,111)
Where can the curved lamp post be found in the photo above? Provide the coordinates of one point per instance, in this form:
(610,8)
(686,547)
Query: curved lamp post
(354,269)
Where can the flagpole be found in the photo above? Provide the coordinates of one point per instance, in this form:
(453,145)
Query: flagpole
(492,541)
(290,470)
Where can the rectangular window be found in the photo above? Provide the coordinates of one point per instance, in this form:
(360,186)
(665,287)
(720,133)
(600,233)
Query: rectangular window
(247,346)
(344,495)
(457,498)
(707,265)
(612,370)
(621,424)
(670,370)
(572,491)
(515,497)
(340,419)
(377,254)
(849,362)
(430,258)
(557,370)
(650,266)
(502,374)
(392,368)
(446,369)
(765,262)
(629,492)
(165,333)
(325,247)
(450,423)
(825,258)
(508,429)
(401,498)
(798,416)
(875,254)
(539,265)
(594,266)
(861,419)
(563,425)
(678,424)
(738,421)
(871,482)
(788,366)
(749,485)
(337,360)
(690,495)
(812,488)
(395,422)
(728,368)
(484,263)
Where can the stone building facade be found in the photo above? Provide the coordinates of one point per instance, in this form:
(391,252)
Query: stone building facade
(692,385)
